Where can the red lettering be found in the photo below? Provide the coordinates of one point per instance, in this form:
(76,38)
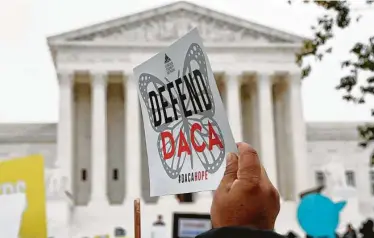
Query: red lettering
(183,144)
(195,176)
(213,138)
(206,175)
(164,135)
(197,147)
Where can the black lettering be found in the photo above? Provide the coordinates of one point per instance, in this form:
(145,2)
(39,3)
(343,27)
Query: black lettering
(207,101)
(179,178)
(194,96)
(153,98)
(182,98)
(164,104)
(173,100)
(192,177)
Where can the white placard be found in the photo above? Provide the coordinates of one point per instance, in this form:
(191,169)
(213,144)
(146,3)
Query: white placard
(12,207)
(186,128)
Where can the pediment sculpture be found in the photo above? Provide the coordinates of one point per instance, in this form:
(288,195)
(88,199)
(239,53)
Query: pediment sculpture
(169,27)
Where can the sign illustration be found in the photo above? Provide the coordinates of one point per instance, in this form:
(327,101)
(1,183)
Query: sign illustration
(318,215)
(187,131)
(22,181)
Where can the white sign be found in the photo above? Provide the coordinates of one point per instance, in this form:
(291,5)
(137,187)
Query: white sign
(12,207)
(186,128)
(190,228)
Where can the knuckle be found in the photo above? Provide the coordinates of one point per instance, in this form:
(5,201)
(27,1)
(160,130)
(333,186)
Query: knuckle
(230,172)
(274,194)
(250,152)
(274,197)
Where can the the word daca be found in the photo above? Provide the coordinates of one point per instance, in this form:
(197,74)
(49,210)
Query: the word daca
(180,145)
(193,177)
(197,93)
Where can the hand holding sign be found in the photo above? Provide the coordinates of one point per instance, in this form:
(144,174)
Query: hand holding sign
(187,131)
(245,196)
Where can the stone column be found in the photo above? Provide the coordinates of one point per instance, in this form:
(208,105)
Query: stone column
(133,152)
(99,137)
(297,135)
(234,105)
(266,126)
(363,183)
(65,138)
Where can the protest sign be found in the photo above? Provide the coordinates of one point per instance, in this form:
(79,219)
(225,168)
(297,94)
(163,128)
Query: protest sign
(25,176)
(12,207)
(186,128)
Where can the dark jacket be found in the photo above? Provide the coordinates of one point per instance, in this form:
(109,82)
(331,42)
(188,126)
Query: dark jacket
(238,232)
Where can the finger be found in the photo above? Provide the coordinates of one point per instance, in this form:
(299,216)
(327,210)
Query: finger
(231,171)
(249,166)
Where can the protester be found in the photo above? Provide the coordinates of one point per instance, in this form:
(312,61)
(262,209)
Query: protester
(350,233)
(245,203)
(291,235)
(367,229)
(160,221)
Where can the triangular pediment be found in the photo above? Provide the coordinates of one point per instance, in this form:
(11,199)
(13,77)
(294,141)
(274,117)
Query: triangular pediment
(168,23)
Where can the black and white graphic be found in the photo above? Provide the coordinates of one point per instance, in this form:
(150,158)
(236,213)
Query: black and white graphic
(186,128)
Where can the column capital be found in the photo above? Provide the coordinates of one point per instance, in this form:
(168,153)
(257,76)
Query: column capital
(267,74)
(125,76)
(233,77)
(264,77)
(99,78)
(232,73)
(65,78)
(294,78)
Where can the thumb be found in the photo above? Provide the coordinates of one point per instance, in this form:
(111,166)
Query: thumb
(231,172)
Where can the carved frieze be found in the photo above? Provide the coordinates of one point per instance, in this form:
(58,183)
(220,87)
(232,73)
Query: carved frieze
(171,26)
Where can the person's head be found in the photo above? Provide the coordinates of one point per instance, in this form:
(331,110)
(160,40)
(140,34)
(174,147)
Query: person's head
(349,227)
(291,235)
(159,217)
(370,223)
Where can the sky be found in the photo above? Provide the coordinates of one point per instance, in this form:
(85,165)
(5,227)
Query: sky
(28,83)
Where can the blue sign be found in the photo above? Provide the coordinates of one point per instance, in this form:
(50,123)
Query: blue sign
(318,216)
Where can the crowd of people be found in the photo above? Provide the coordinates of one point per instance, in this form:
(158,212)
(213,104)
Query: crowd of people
(365,231)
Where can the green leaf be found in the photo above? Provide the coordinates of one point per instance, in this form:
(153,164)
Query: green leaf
(306,71)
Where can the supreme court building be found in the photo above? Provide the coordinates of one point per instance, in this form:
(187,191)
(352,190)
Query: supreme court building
(98,147)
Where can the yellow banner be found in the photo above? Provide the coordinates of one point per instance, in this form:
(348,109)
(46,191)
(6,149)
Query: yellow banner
(27,174)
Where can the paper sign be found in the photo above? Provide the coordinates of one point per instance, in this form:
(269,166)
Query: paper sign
(186,128)
(25,176)
(12,207)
